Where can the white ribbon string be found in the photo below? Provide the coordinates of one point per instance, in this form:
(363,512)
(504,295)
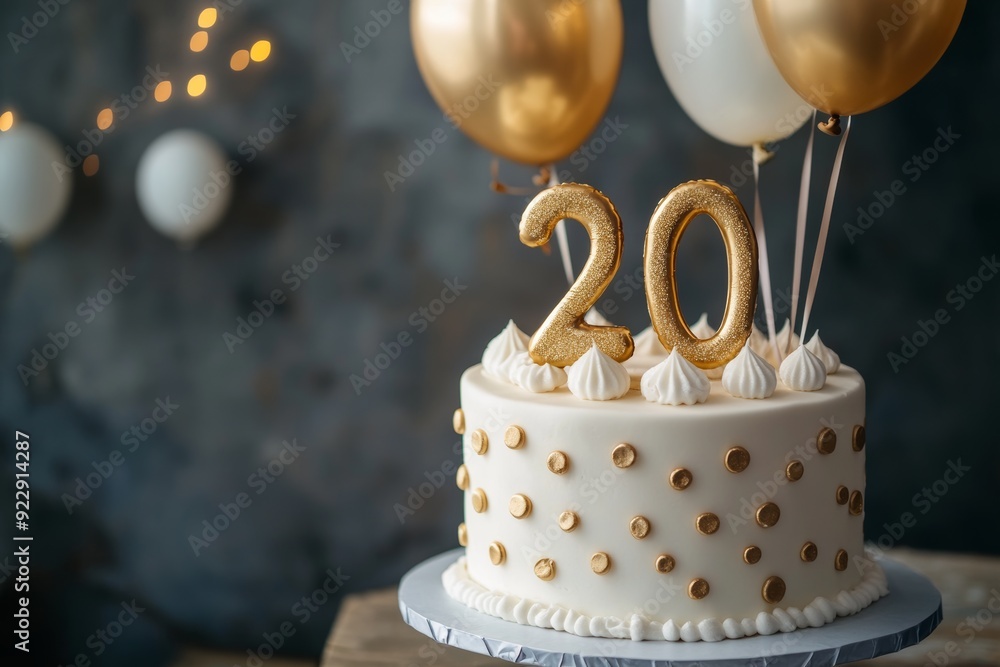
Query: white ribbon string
(763,264)
(824,229)
(800,226)
(561,239)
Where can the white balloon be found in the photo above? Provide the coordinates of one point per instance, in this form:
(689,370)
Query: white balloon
(716,64)
(183,184)
(34,190)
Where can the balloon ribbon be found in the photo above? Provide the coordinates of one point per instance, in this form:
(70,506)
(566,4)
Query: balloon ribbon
(800,227)
(765,267)
(561,237)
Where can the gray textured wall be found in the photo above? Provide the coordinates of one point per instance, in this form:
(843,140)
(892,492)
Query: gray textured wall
(333,506)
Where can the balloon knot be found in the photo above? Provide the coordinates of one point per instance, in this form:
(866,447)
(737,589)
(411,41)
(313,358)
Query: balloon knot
(831,126)
(761,155)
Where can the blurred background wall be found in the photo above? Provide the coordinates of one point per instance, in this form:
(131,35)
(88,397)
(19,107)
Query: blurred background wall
(343,508)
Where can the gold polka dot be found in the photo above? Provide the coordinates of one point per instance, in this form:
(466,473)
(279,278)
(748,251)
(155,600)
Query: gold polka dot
(458,421)
(462,477)
(498,554)
(826,441)
(794,470)
(557,462)
(545,569)
(479,501)
(480,441)
(707,523)
(463,535)
(520,505)
(600,562)
(623,455)
(751,555)
(568,521)
(858,438)
(808,552)
(664,563)
(639,527)
(697,589)
(681,478)
(842,495)
(856,503)
(768,515)
(737,459)
(840,561)
(773,590)
(513,437)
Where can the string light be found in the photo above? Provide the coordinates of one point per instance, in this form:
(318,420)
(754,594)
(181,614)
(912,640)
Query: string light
(91,164)
(105,118)
(196,85)
(199,41)
(6,120)
(240,60)
(162,91)
(260,51)
(207,17)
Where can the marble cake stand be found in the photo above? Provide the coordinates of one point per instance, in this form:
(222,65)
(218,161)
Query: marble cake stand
(905,617)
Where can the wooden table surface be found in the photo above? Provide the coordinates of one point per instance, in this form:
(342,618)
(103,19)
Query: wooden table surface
(369,630)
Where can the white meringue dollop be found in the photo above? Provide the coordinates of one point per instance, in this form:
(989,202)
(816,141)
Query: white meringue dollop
(702,329)
(597,377)
(648,344)
(675,381)
(802,370)
(536,378)
(595,318)
(502,350)
(829,358)
(787,340)
(749,375)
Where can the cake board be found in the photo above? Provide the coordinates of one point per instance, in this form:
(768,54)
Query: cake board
(905,617)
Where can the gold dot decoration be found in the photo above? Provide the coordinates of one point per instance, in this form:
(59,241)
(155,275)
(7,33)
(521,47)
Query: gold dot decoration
(520,505)
(856,503)
(768,515)
(463,535)
(600,562)
(808,552)
(794,470)
(545,569)
(462,478)
(843,495)
(826,441)
(568,521)
(737,459)
(557,462)
(858,438)
(623,455)
(751,555)
(480,441)
(840,560)
(639,527)
(698,589)
(479,501)
(773,590)
(664,563)
(681,478)
(513,437)
(498,554)
(707,523)
(458,421)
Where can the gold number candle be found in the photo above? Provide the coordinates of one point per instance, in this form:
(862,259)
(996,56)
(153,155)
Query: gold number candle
(669,221)
(564,337)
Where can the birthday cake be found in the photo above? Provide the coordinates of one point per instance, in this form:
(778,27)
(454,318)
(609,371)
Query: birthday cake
(687,484)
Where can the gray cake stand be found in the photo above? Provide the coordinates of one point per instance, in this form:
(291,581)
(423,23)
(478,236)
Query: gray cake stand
(905,617)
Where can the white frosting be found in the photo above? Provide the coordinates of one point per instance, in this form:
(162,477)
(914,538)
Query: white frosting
(749,375)
(759,343)
(503,349)
(525,373)
(802,370)
(701,328)
(675,381)
(595,318)
(637,627)
(597,377)
(647,344)
(829,358)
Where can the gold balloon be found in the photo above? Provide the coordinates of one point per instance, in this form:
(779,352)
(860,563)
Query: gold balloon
(527,79)
(846,57)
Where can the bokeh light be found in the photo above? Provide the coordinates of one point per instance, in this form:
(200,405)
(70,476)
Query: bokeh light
(199,41)
(260,51)
(91,164)
(6,120)
(197,85)
(240,60)
(104,118)
(162,91)
(207,17)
